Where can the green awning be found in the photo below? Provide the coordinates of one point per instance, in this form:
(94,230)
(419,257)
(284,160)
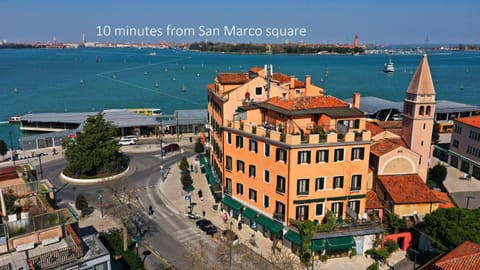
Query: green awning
(203,161)
(269,224)
(293,237)
(211,179)
(318,245)
(231,203)
(336,243)
(249,213)
(207,170)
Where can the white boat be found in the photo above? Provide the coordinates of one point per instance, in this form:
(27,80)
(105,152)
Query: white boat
(388,66)
(153,54)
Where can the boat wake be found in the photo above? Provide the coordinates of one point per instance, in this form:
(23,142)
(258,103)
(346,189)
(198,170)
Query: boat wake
(3,122)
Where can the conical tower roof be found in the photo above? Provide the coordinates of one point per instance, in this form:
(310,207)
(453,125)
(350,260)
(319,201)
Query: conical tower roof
(422,83)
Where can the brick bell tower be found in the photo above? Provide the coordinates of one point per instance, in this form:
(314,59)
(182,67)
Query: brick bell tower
(418,115)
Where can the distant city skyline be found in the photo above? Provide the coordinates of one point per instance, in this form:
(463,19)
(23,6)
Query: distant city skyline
(378,22)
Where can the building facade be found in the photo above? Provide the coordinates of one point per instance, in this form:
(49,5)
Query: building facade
(283,150)
(465,145)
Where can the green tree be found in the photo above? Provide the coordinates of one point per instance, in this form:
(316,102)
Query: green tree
(438,173)
(94,152)
(198,146)
(394,222)
(435,133)
(3,148)
(307,230)
(452,226)
(186,179)
(184,166)
(81,202)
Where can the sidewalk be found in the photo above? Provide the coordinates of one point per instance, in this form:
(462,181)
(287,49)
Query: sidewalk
(172,191)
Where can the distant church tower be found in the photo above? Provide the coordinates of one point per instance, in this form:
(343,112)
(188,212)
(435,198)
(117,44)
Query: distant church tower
(418,115)
(356,42)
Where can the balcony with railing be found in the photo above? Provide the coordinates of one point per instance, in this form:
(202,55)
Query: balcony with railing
(280,135)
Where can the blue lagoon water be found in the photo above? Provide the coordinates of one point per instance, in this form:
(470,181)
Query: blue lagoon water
(49,80)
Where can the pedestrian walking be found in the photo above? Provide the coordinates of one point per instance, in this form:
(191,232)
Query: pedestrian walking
(203,212)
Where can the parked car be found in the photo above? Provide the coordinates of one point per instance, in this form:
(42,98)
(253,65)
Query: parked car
(133,137)
(125,141)
(206,226)
(171,147)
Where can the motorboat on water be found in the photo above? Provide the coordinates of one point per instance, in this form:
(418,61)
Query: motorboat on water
(15,119)
(388,66)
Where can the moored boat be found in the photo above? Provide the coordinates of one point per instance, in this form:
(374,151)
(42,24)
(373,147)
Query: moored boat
(14,119)
(388,66)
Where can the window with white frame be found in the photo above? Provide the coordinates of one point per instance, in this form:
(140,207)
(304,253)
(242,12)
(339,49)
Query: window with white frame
(358,153)
(356,184)
(240,166)
(339,154)
(239,188)
(266,149)
(280,184)
(253,146)
(239,141)
(252,194)
(302,186)
(319,183)
(338,182)
(337,209)
(354,205)
(301,212)
(281,155)
(228,165)
(266,201)
(252,171)
(322,156)
(258,91)
(228,186)
(303,157)
(266,176)
(319,209)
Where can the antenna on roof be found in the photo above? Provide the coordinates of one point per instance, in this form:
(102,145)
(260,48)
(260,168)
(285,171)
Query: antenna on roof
(269,73)
(426,45)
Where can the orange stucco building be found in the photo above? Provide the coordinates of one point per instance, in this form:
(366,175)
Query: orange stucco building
(284,150)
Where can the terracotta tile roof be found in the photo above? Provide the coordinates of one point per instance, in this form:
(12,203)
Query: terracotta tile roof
(282,78)
(465,256)
(373,127)
(390,124)
(473,121)
(233,78)
(211,87)
(256,69)
(407,189)
(446,202)
(306,103)
(387,145)
(372,201)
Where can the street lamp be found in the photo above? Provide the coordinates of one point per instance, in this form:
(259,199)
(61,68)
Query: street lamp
(12,154)
(468,200)
(40,162)
(100,199)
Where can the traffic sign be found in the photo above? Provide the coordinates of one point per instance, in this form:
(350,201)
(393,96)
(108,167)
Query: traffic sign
(187,197)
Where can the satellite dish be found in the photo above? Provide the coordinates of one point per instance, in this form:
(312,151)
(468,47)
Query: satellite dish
(341,128)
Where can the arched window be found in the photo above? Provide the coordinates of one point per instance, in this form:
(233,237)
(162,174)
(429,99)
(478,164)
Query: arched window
(422,110)
(428,110)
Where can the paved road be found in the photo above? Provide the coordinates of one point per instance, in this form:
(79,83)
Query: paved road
(166,232)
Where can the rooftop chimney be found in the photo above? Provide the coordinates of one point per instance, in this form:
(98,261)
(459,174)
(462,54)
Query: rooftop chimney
(356,100)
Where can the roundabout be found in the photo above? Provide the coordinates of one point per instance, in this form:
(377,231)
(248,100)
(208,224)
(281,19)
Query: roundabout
(91,181)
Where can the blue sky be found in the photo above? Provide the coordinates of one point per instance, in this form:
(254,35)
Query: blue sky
(390,22)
